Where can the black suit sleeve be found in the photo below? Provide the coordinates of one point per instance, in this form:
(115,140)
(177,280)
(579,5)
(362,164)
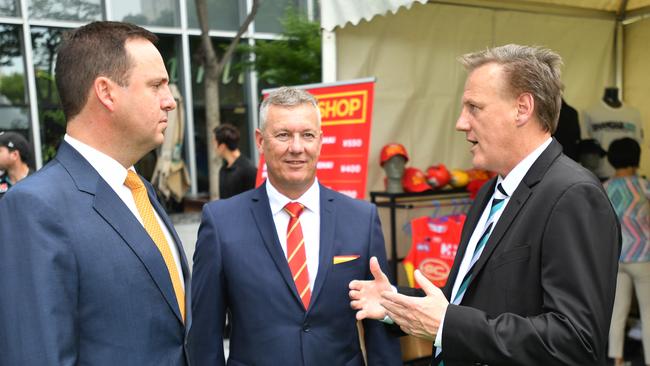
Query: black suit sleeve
(579,254)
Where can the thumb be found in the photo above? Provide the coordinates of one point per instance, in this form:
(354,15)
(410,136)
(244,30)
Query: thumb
(375,269)
(428,287)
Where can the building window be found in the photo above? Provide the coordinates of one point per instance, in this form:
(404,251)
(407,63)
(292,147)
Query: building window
(9,8)
(232,107)
(147,12)
(222,15)
(14,106)
(52,120)
(80,10)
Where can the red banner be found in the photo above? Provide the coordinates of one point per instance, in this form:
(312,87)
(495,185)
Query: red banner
(346,115)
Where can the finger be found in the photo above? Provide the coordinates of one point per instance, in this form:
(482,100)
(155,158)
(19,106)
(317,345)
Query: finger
(397,299)
(428,287)
(354,295)
(355,285)
(361,314)
(375,269)
(356,305)
(392,306)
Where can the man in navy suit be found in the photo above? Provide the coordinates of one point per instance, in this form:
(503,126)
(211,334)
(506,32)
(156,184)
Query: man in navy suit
(534,277)
(282,273)
(83,281)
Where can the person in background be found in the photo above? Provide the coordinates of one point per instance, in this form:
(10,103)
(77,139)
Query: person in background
(238,173)
(630,195)
(279,257)
(15,155)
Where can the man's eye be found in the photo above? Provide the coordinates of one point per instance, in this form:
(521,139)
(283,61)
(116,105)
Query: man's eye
(309,136)
(282,136)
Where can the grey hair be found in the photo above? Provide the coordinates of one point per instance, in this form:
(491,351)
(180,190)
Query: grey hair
(287,97)
(528,69)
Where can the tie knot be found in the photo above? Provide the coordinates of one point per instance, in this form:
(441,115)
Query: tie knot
(133,181)
(500,193)
(294,209)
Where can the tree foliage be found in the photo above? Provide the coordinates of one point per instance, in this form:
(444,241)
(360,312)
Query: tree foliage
(295,59)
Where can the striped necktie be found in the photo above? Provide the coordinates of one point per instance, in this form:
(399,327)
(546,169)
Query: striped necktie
(296,256)
(139,192)
(498,201)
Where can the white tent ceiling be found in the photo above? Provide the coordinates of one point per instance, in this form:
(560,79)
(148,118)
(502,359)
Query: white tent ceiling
(338,13)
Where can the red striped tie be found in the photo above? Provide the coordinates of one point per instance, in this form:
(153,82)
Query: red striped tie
(296,252)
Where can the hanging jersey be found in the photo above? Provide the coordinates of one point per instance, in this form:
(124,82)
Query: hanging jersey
(434,242)
(607,124)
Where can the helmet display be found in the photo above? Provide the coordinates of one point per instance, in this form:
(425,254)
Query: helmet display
(459,178)
(414,180)
(438,176)
(390,150)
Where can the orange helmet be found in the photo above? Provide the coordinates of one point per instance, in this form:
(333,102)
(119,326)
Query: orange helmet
(414,180)
(390,150)
(438,176)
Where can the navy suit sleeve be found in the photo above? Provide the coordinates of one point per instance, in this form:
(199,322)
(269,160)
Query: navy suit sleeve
(208,294)
(381,347)
(579,259)
(38,283)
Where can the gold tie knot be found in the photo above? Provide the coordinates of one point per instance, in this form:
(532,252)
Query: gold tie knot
(294,209)
(133,181)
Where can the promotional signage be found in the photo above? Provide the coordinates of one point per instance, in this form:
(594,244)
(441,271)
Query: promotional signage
(346,114)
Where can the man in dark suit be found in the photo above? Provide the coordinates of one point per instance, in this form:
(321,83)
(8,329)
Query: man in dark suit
(534,277)
(280,257)
(91,269)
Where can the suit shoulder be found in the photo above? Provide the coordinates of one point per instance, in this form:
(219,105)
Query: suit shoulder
(235,202)
(343,200)
(568,172)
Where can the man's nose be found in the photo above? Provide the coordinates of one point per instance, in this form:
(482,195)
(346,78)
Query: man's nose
(296,144)
(168,102)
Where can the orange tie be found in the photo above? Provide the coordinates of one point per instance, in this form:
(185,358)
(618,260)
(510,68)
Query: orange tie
(296,252)
(155,232)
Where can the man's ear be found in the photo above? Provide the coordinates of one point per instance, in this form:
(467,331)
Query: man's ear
(259,139)
(525,108)
(104,89)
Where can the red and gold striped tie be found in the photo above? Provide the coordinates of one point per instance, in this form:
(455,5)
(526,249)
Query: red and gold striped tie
(296,252)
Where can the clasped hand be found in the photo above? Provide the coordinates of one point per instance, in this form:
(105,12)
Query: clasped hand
(418,316)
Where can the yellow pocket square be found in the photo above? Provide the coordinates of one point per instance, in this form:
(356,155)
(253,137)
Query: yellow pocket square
(338,259)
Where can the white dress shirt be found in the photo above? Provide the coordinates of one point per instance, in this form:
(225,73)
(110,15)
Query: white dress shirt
(309,222)
(509,184)
(114,174)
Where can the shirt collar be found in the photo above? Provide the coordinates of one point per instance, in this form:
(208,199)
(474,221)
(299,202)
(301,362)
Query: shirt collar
(516,175)
(108,168)
(310,199)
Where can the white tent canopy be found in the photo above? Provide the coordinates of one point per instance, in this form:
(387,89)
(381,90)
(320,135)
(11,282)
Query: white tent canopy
(412,48)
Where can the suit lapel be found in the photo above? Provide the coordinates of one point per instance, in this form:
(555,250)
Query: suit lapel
(326,245)
(117,215)
(261,211)
(517,201)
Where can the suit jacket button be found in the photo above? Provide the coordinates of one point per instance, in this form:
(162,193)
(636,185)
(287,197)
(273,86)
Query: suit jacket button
(306,328)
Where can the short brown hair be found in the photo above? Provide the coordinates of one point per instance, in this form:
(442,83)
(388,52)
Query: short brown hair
(96,49)
(528,69)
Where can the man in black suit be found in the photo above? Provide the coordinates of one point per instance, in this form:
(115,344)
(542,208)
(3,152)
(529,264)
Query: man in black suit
(534,278)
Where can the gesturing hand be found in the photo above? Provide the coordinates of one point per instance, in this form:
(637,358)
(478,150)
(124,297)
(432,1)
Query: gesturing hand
(418,316)
(366,295)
